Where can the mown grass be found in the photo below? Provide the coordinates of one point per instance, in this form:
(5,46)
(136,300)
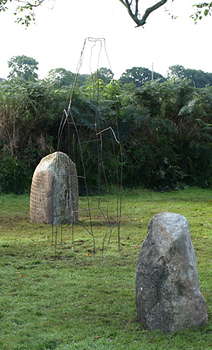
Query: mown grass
(73,299)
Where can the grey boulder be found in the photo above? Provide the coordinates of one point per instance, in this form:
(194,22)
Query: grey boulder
(168,294)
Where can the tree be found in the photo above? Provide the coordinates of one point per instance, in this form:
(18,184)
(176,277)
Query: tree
(196,78)
(105,74)
(132,6)
(176,71)
(138,76)
(27,7)
(23,67)
(202,9)
(133,10)
(60,77)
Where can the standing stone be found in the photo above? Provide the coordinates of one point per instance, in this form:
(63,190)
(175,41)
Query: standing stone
(54,190)
(168,295)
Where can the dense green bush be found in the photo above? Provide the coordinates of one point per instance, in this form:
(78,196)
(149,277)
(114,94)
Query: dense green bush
(15,175)
(169,136)
(164,128)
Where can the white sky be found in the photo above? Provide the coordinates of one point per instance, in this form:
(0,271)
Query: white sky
(58,36)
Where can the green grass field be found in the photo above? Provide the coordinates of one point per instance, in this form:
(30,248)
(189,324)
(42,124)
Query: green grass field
(73,299)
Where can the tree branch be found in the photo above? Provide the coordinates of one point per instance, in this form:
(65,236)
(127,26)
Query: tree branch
(28,4)
(136,8)
(135,16)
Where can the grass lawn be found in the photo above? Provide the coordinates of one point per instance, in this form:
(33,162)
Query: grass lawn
(73,299)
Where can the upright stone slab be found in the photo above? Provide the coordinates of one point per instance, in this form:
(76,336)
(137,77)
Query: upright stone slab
(54,190)
(168,294)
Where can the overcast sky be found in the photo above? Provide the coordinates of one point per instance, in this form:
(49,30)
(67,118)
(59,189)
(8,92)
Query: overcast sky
(59,34)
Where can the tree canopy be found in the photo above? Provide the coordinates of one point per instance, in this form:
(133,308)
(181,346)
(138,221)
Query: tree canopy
(138,76)
(25,6)
(195,77)
(23,67)
(60,77)
(133,8)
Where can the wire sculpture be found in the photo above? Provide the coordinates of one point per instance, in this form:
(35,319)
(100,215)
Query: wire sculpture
(110,222)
